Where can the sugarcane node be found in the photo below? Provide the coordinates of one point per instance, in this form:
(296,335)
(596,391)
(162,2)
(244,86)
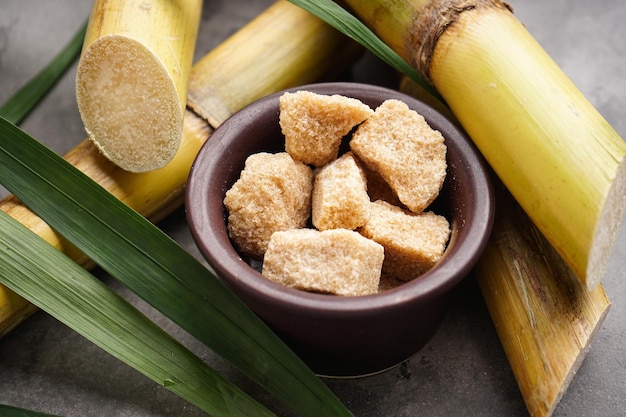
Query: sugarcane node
(432,20)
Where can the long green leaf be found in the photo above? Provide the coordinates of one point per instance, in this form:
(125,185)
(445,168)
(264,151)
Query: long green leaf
(49,279)
(337,17)
(16,108)
(9,411)
(152,265)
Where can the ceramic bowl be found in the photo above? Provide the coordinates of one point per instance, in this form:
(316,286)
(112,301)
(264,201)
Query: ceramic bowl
(335,335)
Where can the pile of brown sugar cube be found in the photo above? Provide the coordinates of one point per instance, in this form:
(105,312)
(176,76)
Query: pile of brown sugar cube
(351,224)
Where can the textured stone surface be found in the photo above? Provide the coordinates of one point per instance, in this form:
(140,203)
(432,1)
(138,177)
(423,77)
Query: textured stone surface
(462,372)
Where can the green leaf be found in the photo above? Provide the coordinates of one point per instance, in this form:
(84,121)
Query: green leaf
(26,98)
(152,265)
(49,279)
(8,411)
(337,17)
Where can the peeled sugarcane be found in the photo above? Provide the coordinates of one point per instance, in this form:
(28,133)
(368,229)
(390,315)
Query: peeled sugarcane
(301,44)
(556,154)
(132,78)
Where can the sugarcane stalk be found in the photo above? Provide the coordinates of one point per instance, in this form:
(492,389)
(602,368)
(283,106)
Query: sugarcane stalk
(132,78)
(215,88)
(552,149)
(544,315)
(283,51)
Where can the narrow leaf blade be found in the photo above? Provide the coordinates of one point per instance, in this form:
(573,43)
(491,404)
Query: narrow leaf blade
(9,411)
(16,108)
(49,279)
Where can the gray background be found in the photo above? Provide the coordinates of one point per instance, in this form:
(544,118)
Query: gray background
(461,372)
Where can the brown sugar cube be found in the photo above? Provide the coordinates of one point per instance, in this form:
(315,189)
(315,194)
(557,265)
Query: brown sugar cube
(340,197)
(413,242)
(397,143)
(337,261)
(314,124)
(272,193)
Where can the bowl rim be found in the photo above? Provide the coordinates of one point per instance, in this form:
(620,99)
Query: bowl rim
(226,262)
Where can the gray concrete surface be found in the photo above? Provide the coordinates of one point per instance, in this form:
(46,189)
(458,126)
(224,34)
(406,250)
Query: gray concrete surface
(462,372)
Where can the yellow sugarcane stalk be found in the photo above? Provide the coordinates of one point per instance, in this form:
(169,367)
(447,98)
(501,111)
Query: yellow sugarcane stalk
(215,90)
(556,154)
(132,77)
(545,317)
(298,50)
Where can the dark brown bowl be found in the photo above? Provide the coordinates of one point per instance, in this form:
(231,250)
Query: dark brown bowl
(341,336)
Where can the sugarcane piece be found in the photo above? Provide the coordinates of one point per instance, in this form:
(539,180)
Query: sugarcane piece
(544,315)
(552,149)
(157,193)
(132,78)
(215,90)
